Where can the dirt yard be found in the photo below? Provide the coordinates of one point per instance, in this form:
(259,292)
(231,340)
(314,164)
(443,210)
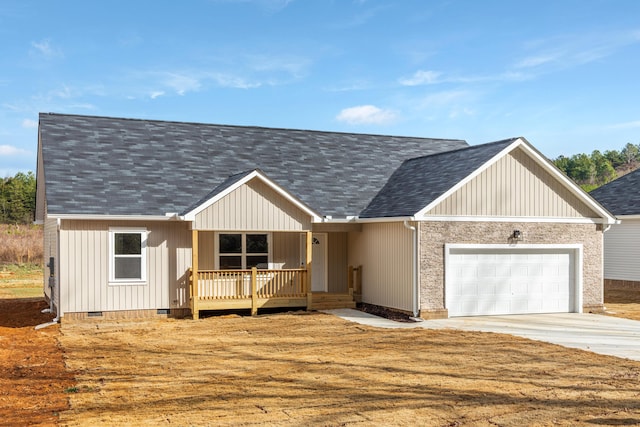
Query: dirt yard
(33,376)
(623,303)
(297,369)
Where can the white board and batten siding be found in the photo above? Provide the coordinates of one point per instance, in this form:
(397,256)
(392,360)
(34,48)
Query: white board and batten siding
(622,250)
(385,252)
(514,186)
(254,206)
(84,268)
(525,279)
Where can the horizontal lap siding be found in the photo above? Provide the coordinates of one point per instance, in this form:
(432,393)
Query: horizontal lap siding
(514,186)
(84,268)
(253,206)
(622,251)
(385,251)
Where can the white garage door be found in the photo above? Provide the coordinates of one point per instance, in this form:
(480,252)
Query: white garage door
(509,281)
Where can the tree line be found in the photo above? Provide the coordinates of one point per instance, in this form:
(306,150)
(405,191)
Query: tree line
(590,171)
(18,198)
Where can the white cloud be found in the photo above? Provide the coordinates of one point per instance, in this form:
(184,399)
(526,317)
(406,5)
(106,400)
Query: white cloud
(10,150)
(445,98)
(182,83)
(421,77)
(226,80)
(45,49)
(29,124)
(625,125)
(156,94)
(366,114)
(576,49)
(537,60)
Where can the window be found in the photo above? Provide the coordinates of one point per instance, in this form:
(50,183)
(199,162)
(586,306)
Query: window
(241,251)
(127,249)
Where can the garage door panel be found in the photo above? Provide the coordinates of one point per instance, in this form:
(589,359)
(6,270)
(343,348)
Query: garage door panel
(508,281)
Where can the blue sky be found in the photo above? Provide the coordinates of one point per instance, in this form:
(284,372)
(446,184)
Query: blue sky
(563,74)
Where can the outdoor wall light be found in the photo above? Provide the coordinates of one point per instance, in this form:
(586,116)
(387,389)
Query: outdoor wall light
(516,235)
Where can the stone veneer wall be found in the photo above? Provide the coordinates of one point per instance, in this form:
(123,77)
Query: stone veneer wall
(434,235)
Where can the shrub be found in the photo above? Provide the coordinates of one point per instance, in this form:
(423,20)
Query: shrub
(21,244)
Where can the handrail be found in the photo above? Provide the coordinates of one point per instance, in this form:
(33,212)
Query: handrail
(238,284)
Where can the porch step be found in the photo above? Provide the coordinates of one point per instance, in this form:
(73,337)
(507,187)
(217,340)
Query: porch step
(326,301)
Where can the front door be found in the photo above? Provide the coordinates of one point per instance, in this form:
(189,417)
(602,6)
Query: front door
(319,267)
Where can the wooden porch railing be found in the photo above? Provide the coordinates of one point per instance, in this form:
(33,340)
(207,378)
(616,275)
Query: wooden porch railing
(220,289)
(354,280)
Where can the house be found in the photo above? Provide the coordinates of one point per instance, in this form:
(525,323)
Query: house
(621,248)
(146,217)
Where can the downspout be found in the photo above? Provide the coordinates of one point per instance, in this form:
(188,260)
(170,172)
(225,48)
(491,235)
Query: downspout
(416,291)
(57,286)
(604,230)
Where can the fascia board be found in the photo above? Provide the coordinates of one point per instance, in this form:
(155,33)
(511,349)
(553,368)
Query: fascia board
(513,219)
(91,217)
(572,186)
(386,219)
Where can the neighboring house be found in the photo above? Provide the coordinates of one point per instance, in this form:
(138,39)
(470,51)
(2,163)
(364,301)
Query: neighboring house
(621,243)
(147,217)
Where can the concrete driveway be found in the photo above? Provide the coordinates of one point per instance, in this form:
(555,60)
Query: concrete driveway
(600,334)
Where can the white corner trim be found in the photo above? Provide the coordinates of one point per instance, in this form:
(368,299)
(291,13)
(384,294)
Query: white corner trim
(191,215)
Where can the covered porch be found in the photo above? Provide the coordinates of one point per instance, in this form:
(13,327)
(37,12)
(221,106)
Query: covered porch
(268,284)
(254,245)
(229,286)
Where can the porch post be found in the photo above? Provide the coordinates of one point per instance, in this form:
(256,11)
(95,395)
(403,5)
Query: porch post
(309,251)
(254,291)
(194,266)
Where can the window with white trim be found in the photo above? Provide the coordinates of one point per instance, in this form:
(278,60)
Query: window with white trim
(241,251)
(127,255)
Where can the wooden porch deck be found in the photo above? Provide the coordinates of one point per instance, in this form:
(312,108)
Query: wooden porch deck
(255,289)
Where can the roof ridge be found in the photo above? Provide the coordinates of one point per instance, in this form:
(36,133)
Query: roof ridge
(470,147)
(251,127)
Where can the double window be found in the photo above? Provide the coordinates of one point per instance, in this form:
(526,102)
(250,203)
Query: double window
(241,251)
(127,255)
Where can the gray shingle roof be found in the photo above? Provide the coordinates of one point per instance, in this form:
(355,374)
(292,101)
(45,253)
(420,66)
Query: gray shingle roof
(114,166)
(418,182)
(621,196)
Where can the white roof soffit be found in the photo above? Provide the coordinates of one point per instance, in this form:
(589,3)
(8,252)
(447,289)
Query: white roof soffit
(190,216)
(607,218)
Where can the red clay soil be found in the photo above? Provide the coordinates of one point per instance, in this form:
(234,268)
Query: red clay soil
(33,379)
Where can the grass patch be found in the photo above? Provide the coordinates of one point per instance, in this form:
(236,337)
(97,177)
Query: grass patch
(20,281)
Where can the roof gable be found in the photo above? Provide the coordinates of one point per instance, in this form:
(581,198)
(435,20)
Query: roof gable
(270,191)
(515,185)
(420,185)
(112,166)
